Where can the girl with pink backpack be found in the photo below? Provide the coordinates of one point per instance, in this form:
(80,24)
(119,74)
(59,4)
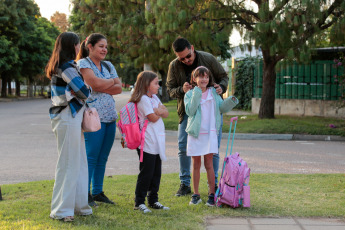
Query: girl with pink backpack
(204,107)
(149,108)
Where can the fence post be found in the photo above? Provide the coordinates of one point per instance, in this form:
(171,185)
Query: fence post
(0,194)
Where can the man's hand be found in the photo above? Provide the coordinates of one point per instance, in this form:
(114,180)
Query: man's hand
(219,89)
(186,87)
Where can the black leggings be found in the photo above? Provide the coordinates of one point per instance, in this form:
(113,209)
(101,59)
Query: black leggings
(149,179)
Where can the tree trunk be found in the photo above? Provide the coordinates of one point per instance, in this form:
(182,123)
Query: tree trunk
(29,88)
(4,86)
(34,89)
(9,86)
(165,95)
(17,88)
(268,88)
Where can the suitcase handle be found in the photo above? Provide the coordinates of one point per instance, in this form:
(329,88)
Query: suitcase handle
(232,141)
(227,147)
(233,119)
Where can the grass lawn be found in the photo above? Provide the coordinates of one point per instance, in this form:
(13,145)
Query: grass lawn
(280,125)
(27,205)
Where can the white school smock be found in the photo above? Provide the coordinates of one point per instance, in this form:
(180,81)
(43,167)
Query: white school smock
(155,131)
(207,141)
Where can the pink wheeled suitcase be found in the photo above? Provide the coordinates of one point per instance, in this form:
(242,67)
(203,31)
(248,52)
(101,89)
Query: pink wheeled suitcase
(233,189)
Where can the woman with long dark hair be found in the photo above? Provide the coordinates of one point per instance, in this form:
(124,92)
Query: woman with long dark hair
(69,94)
(102,77)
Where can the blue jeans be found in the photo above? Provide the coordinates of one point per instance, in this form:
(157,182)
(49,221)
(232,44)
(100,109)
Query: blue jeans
(98,145)
(184,160)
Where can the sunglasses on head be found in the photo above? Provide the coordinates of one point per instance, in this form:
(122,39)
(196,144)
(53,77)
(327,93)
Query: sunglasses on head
(186,57)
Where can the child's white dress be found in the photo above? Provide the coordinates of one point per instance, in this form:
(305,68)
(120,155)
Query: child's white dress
(207,141)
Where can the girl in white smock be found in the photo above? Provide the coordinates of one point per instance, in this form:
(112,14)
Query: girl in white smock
(150,108)
(204,107)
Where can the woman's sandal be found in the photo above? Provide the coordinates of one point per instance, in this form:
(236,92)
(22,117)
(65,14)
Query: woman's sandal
(68,219)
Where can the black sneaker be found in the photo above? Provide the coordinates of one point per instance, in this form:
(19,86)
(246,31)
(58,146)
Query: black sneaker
(210,201)
(183,190)
(91,201)
(195,199)
(102,198)
(158,205)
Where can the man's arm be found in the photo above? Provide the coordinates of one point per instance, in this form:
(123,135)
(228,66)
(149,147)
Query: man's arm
(174,89)
(221,77)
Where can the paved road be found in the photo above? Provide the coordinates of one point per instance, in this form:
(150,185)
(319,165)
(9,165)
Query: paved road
(28,149)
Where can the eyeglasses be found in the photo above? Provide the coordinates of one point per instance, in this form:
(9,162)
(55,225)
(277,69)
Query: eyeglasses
(186,57)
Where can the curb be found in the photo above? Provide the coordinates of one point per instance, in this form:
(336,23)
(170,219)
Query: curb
(289,137)
(21,99)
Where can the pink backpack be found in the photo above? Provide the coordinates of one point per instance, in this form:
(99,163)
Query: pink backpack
(131,135)
(233,189)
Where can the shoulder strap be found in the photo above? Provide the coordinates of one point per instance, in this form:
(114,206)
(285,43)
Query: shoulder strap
(87,58)
(143,141)
(102,62)
(106,66)
(142,135)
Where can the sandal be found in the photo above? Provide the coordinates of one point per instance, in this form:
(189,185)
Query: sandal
(68,219)
(64,219)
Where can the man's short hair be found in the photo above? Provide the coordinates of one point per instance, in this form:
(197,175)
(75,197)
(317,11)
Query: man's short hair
(180,44)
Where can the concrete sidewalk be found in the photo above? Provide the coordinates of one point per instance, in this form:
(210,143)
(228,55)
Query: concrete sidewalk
(287,223)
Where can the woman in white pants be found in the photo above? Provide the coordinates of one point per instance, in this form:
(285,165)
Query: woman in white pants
(70,193)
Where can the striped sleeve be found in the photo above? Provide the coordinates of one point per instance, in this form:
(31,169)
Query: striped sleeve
(71,76)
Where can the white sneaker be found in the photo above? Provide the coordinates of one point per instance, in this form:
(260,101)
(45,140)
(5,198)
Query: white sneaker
(143,208)
(158,205)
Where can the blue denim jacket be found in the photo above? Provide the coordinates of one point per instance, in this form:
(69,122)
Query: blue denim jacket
(192,101)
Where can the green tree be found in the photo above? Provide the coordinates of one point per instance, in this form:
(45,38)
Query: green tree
(283,29)
(35,50)
(144,30)
(26,42)
(8,40)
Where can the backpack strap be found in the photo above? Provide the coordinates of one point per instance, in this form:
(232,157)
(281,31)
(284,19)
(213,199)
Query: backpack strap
(142,135)
(143,141)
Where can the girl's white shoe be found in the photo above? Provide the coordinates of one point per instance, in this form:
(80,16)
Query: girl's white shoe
(143,208)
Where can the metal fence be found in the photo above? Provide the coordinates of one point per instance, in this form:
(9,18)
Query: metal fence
(313,81)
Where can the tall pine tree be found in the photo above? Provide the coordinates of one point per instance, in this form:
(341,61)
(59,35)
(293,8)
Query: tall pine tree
(145,30)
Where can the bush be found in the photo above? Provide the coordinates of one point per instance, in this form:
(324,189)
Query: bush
(244,82)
